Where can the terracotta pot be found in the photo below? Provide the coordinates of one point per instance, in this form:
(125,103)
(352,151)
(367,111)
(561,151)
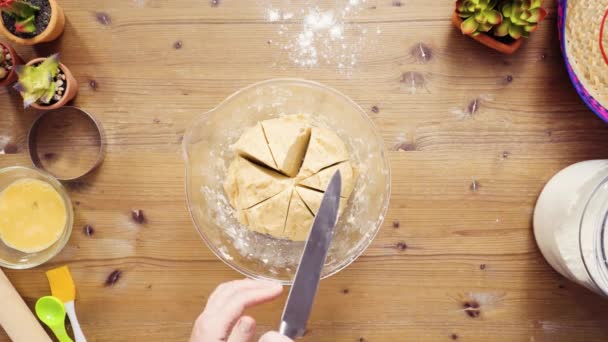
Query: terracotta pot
(12,75)
(71,87)
(52,31)
(489,40)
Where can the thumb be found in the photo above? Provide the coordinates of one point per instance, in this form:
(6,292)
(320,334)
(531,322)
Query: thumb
(273,336)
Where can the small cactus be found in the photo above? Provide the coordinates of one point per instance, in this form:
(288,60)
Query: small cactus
(478,15)
(520,18)
(37,82)
(23,12)
(5,62)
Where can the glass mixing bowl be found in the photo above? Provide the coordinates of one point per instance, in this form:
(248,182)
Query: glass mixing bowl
(207,154)
(12,258)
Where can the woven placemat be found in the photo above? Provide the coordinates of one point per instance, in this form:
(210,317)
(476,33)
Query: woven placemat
(584,36)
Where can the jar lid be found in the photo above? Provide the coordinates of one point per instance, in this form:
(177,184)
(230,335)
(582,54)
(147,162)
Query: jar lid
(66,142)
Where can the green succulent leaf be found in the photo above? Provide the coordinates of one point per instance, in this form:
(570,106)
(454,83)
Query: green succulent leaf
(470,6)
(530,28)
(515,31)
(480,18)
(494,17)
(51,65)
(22,9)
(536,3)
(502,29)
(48,94)
(537,15)
(26,25)
(29,99)
(484,27)
(469,26)
(507,9)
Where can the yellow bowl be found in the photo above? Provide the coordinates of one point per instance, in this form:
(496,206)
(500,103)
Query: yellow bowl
(207,152)
(11,258)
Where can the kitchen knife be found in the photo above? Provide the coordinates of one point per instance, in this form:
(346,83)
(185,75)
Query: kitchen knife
(305,284)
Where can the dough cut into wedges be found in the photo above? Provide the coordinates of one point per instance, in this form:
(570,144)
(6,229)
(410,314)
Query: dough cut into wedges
(313,198)
(299,219)
(287,138)
(321,180)
(252,144)
(269,216)
(325,149)
(282,168)
(248,184)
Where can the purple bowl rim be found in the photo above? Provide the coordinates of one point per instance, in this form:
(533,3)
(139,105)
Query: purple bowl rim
(589,100)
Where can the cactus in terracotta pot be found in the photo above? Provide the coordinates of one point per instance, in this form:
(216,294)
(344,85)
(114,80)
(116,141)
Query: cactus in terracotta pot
(520,18)
(45,83)
(9,59)
(4,66)
(37,82)
(23,12)
(478,15)
(30,22)
(498,24)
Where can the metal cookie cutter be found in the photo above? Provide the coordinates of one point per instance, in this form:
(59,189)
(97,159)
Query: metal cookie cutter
(67,142)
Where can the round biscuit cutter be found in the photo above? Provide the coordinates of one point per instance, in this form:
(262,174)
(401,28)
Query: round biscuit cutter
(68,143)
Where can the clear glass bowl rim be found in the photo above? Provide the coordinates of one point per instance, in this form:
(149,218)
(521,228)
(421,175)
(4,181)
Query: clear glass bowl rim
(202,117)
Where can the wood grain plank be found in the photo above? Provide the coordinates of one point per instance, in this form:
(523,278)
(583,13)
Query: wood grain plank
(473,135)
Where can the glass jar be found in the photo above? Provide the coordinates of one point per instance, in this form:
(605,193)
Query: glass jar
(570,223)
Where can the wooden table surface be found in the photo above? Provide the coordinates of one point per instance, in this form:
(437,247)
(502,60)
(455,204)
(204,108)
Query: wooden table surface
(473,135)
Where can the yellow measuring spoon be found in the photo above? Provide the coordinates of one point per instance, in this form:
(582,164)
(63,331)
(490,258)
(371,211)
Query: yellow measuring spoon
(50,311)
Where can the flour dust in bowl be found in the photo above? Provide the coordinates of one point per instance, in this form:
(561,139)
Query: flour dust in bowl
(209,150)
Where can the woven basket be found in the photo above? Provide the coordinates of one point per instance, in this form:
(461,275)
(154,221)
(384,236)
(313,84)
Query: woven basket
(583,29)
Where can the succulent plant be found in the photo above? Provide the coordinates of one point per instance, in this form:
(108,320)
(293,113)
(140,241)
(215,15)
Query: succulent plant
(478,15)
(23,12)
(37,82)
(520,18)
(3,67)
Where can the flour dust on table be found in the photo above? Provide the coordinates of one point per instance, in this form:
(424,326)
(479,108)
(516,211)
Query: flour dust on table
(310,36)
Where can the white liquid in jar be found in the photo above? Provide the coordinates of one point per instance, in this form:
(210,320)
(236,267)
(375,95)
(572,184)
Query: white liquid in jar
(569,221)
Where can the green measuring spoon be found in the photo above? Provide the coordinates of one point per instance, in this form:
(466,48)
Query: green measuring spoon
(50,311)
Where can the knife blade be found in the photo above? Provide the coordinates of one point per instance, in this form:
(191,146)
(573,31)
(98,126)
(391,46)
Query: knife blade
(306,282)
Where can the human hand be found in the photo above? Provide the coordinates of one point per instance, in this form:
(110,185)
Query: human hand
(223,320)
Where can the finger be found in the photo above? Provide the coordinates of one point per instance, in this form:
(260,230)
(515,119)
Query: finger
(247,298)
(225,292)
(243,331)
(217,324)
(273,336)
(220,292)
